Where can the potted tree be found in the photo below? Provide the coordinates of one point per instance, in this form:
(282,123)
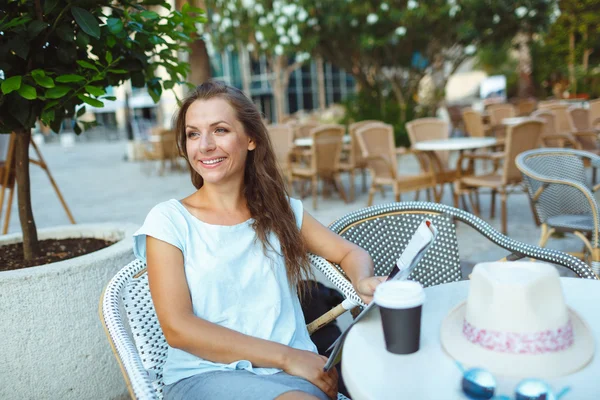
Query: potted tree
(56,57)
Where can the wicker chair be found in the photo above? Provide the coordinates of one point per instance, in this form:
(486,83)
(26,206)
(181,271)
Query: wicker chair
(355,159)
(439,161)
(474,125)
(377,144)
(550,137)
(384,231)
(137,340)
(526,107)
(282,139)
(324,161)
(562,199)
(520,137)
(595,113)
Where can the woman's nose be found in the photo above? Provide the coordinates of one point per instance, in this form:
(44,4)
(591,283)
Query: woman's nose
(207,143)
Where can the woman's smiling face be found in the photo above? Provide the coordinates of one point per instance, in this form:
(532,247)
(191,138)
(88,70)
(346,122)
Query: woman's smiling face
(216,143)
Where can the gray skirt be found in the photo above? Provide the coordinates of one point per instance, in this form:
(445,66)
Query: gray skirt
(238,384)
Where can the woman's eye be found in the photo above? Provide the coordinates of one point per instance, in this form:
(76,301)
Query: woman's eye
(192,134)
(220,130)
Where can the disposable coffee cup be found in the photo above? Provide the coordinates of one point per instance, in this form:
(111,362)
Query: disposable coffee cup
(400,303)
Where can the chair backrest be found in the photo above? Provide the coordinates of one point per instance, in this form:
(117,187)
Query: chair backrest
(384,230)
(429,129)
(579,119)
(519,138)
(282,139)
(594,112)
(556,183)
(473,123)
(130,319)
(561,117)
(303,129)
(500,111)
(356,153)
(377,140)
(385,236)
(526,107)
(327,148)
(547,104)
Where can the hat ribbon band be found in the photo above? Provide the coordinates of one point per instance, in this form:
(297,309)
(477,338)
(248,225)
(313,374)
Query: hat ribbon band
(521,343)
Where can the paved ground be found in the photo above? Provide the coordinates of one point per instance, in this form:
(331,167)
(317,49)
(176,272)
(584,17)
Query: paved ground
(99,186)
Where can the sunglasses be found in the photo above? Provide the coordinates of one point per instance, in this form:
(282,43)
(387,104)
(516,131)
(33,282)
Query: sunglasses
(477,383)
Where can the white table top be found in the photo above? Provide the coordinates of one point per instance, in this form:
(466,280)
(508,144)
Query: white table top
(307,141)
(463,143)
(371,372)
(515,120)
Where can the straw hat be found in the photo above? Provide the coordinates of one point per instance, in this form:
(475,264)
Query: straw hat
(515,323)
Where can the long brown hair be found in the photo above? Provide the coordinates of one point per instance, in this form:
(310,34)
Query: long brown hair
(264,186)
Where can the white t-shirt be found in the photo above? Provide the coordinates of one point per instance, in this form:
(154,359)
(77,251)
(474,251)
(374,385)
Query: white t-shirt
(232,283)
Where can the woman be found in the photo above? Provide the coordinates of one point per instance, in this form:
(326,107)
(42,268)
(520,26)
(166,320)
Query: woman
(225,263)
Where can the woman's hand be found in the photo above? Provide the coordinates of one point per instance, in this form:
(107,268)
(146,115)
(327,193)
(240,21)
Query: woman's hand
(366,287)
(309,365)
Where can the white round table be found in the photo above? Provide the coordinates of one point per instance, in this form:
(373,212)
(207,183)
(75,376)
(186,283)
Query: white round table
(308,141)
(463,143)
(515,120)
(371,372)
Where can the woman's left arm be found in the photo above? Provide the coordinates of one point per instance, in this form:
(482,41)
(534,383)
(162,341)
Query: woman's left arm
(355,261)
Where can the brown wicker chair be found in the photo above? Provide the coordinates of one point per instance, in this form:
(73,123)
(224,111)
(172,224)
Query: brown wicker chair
(437,162)
(354,159)
(282,140)
(550,137)
(377,144)
(519,138)
(586,135)
(324,161)
(525,107)
(474,125)
(595,113)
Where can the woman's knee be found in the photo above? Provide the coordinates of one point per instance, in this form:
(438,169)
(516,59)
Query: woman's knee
(296,395)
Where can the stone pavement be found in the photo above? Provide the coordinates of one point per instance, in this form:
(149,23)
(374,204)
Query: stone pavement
(100,186)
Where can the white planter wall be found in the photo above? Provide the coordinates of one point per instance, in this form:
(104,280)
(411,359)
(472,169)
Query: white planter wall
(53,344)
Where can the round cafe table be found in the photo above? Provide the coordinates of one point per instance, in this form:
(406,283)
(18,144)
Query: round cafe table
(371,372)
(308,141)
(459,144)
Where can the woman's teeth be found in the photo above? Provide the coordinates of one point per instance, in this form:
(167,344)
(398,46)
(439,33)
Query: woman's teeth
(209,162)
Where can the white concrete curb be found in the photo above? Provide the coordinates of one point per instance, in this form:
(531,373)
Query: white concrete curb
(53,343)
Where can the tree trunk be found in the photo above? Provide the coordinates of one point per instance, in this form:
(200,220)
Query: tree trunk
(30,238)
(525,66)
(245,69)
(321,83)
(198,58)
(572,80)
(278,87)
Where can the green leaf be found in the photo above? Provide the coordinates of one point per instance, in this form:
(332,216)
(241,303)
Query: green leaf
(16,22)
(47,116)
(69,78)
(86,21)
(87,65)
(11,84)
(111,41)
(49,5)
(57,92)
(50,104)
(108,57)
(149,14)
(27,92)
(77,128)
(92,102)
(81,111)
(36,27)
(118,71)
(169,84)
(110,98)
(39,76)
(115,25)
(95,90)
(82,39)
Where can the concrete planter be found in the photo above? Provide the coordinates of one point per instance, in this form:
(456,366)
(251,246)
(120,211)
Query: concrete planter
(53,344)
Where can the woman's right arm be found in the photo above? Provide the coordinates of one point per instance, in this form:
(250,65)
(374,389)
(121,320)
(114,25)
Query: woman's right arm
(186,331)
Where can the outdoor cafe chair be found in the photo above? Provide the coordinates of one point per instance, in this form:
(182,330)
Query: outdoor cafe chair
(384,231)
(132,328)
(497,113)
(594,107)
(525,107)
(520,137)
(282,140)
(563,200)
(377,144)
(324,162)
(354,160)
(583,131)
(439,161)
(550,137)
(474,125)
